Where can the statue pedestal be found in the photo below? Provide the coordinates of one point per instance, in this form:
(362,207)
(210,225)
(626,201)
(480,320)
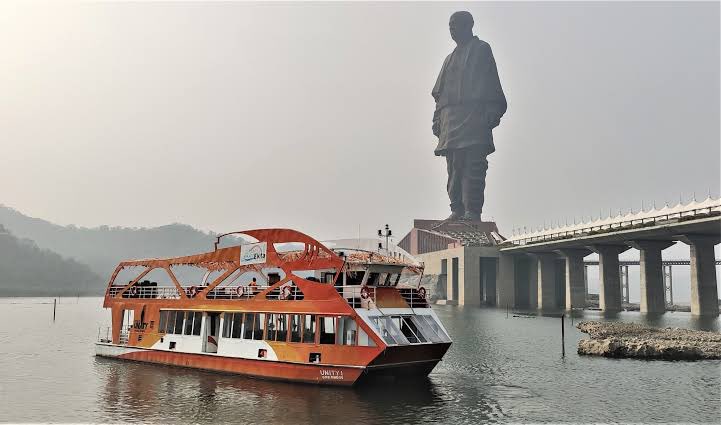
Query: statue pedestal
(459,225)
(436,235)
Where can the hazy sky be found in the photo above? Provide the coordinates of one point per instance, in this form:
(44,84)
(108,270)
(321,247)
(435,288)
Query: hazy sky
(317,116)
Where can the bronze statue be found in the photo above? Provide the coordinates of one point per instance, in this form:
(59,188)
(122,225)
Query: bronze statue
(469,104)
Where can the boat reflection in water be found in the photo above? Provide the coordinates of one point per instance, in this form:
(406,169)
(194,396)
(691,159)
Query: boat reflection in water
(133,390)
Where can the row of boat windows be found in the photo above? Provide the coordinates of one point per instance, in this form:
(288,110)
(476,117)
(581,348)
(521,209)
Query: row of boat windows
(298,328)
(171,322)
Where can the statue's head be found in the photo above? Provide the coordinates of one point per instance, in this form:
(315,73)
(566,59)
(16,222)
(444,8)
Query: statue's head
(461,26)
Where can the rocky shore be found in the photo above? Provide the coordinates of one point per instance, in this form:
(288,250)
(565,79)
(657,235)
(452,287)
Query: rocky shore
(615,339)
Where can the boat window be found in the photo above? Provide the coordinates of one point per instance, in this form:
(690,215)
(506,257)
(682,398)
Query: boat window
(390,279)
(170,324)
(380,327)
(354,277)
(347,330)
(248,330)
(281,327)
(328,277)
(309,329)
(436,328)
(425,329)
(259,325)
(327,329)
(364,340)
(237,325)
(372,279)
(197,322)
(227,324)
(163,321)
(295,331)
(409,326)
(192,323)
(188,329)
(178,323)
(271,327)
(388,328)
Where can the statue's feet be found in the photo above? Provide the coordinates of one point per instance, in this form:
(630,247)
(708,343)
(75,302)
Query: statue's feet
(471,216)
(455,216)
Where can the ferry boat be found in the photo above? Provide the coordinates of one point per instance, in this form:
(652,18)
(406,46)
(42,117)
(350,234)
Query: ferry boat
(278,304)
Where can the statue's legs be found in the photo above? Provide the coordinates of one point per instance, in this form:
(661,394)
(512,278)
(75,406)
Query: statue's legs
(467,180)
(455,165)
(474,182)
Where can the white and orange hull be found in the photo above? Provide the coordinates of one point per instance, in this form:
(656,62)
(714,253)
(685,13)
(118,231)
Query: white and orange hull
(388,365)
(276,370)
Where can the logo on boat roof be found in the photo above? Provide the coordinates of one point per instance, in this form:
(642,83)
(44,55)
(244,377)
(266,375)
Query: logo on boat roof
(253,253)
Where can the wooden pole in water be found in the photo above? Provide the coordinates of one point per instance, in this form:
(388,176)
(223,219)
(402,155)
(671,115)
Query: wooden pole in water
(55,303)
(563,336)
(506,310)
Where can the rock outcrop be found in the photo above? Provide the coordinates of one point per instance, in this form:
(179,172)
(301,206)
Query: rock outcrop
(615,339)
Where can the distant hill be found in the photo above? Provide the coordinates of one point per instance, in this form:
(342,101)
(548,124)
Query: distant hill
(101,248)
(27,270)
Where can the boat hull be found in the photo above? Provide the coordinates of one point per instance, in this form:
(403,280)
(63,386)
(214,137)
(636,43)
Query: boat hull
(395,363)
(275,370)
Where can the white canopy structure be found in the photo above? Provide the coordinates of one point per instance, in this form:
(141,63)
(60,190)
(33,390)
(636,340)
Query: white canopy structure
(679,211)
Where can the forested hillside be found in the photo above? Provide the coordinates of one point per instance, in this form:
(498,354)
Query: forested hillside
(101,248)
(27,270)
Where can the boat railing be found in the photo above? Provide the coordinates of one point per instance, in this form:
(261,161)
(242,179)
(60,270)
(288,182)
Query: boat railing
(235,292)
(413,298)
(246,292)
(152,292)
(105,335)
(354,295)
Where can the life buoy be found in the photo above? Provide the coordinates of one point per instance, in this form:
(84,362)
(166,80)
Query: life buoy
(193,291)
(422,292)
(285,292)
(365,293)
(239,290)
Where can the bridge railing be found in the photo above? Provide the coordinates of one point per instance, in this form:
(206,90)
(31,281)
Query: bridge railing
(616,225)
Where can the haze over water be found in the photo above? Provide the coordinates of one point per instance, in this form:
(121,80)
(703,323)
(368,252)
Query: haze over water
(498,370)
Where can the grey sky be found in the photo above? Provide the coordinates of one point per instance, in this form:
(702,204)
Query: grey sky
(318,116)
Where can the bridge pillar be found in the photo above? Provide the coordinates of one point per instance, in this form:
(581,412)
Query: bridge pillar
(609,298)
(575,277)
(533,283)
(652,284)
(704,292)
(546,280)
(506,283)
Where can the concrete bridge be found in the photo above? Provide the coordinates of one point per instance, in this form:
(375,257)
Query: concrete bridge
(531,265)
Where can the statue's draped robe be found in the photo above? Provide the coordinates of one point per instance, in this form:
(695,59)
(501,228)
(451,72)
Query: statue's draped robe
(469,99)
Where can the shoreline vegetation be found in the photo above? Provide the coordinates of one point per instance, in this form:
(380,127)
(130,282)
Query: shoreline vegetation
(632,340)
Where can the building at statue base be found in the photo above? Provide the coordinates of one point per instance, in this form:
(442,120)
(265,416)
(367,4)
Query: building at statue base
(460,257)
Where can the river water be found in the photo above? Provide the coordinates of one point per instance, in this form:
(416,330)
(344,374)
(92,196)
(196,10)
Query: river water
(499,369)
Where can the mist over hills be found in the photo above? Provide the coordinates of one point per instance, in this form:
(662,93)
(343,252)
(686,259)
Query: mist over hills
(26,269)
(99,248)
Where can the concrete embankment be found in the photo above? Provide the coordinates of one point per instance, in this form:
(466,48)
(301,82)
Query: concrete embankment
(614,339)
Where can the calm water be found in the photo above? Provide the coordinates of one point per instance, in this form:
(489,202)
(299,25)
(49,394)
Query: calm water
(498,370)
